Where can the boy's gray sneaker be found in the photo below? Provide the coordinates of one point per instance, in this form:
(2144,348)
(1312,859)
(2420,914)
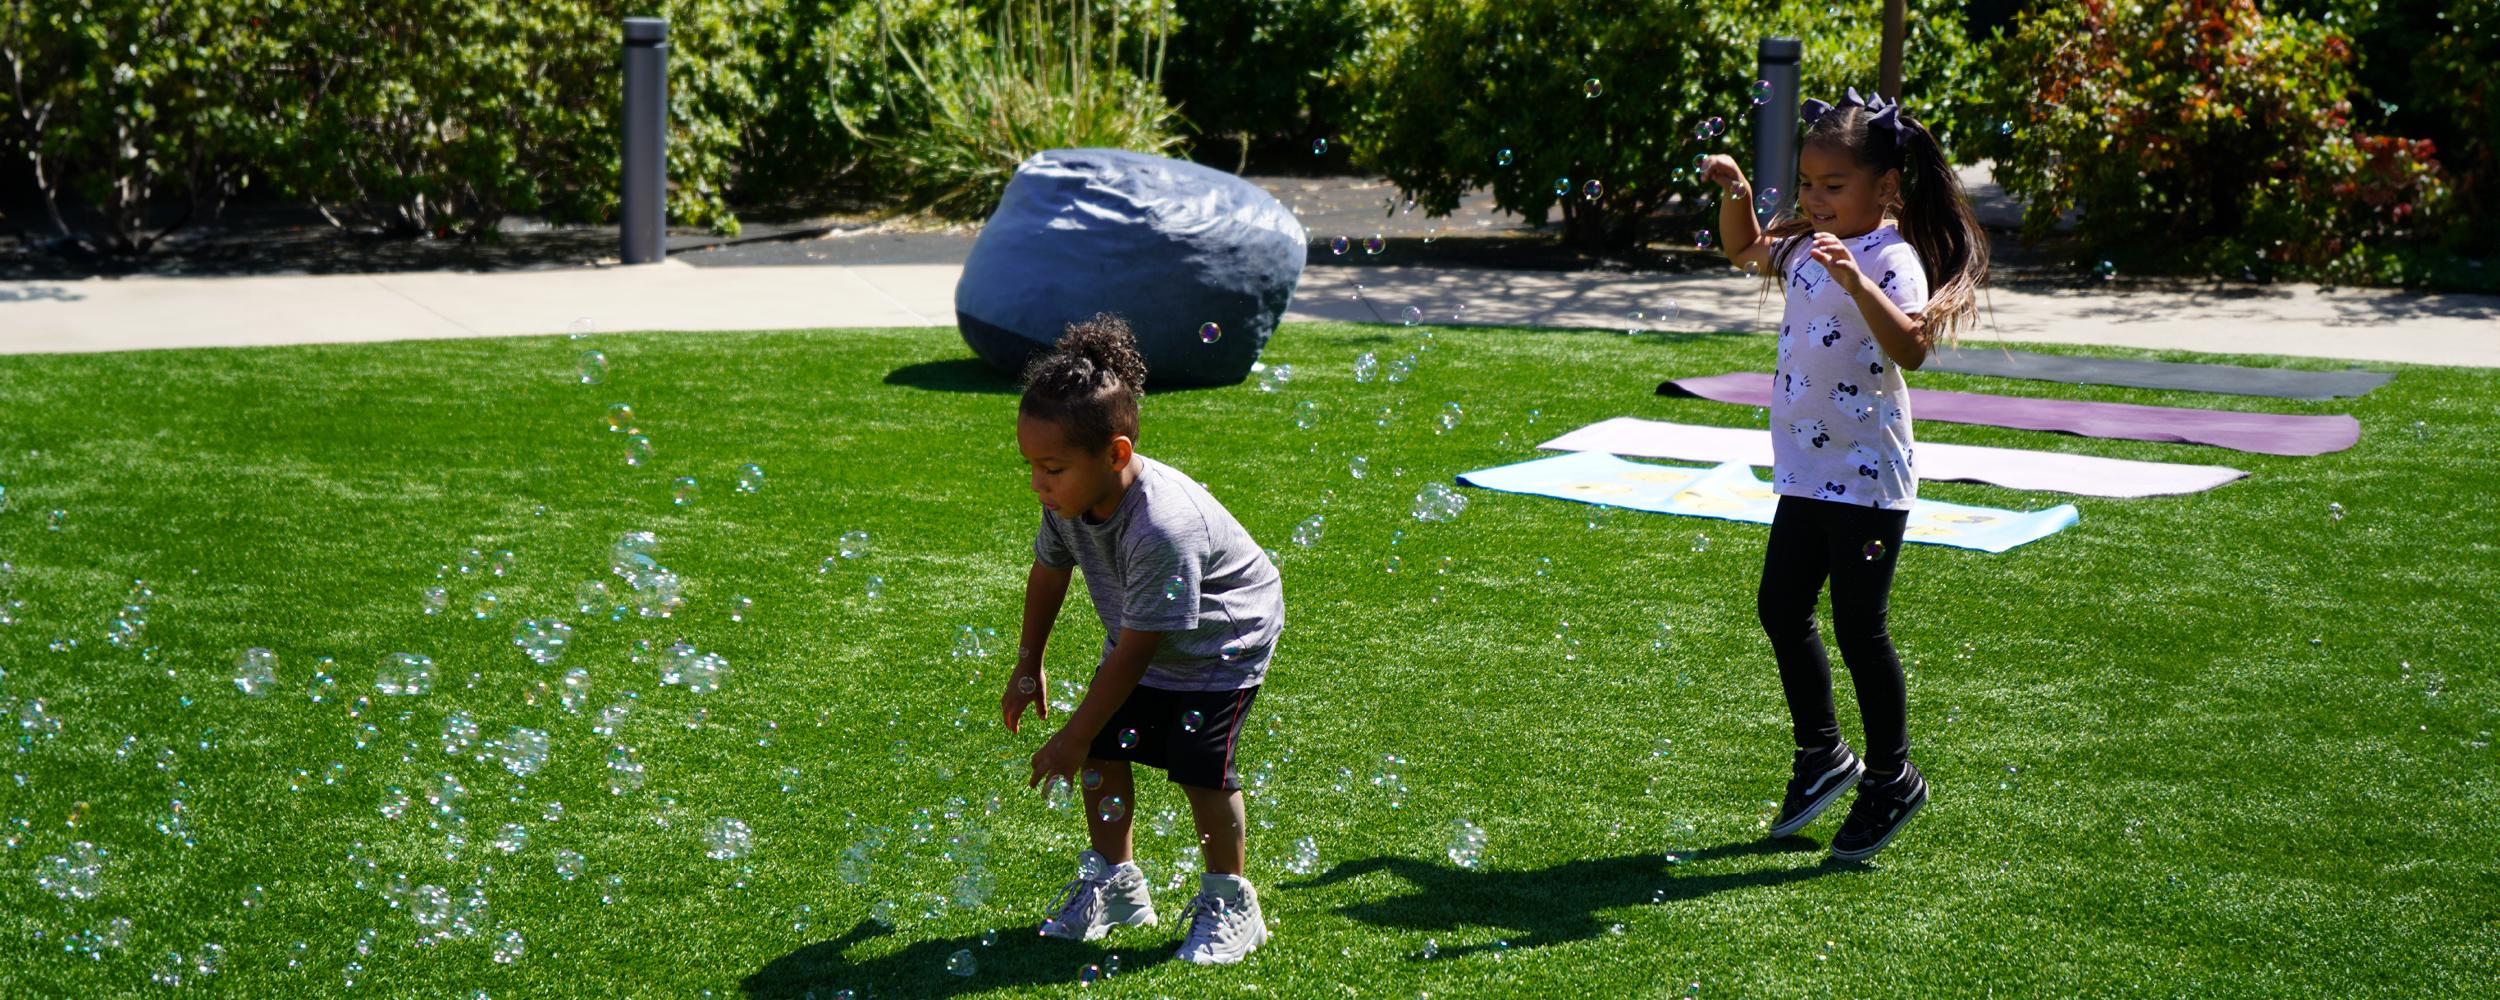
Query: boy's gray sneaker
(1101,898)
(1225,925)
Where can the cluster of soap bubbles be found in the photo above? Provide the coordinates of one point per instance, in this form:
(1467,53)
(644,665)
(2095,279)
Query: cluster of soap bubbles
(1438,503)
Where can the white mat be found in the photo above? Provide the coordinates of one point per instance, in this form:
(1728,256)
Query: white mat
(2083,475)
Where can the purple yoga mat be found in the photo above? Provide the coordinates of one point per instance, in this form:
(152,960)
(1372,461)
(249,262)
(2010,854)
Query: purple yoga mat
(2265,433)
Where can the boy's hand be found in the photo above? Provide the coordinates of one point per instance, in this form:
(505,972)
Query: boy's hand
(1834,256)
(1060,756)
(1723,171)
(1025,688)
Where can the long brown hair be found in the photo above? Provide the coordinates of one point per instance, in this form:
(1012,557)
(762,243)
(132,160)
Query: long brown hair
(1934,217)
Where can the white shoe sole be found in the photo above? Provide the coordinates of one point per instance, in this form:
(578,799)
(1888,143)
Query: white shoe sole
(1227,957)
(1143,916)
(1842,779)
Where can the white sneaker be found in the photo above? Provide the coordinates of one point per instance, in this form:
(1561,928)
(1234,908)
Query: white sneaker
(1101,898)
(1225,925)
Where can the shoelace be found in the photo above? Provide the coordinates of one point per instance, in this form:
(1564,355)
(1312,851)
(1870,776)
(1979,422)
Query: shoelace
(1083,893)
(1206,915)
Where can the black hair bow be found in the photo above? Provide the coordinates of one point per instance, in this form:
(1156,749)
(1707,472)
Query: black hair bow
(1885,120)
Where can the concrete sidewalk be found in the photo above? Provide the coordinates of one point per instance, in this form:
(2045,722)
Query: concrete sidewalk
(154,313)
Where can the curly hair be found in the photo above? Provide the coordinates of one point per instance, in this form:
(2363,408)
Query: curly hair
(1089,383)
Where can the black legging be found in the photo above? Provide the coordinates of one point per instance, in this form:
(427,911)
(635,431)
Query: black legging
(1810,540)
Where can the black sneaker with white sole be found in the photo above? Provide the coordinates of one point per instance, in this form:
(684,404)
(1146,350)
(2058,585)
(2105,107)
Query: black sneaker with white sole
(1882,809)
(1820,777)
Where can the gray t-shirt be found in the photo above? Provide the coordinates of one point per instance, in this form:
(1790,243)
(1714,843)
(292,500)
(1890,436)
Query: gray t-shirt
(1174,561)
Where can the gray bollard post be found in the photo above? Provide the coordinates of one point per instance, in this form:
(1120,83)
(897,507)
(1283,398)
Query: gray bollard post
(1775,121)
(643,209)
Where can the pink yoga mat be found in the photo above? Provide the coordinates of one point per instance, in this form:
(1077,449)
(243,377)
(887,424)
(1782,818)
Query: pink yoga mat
(2012,468)
(2266,433)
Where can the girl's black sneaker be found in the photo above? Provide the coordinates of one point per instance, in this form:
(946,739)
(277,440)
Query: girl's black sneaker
(1820,777)
(1882,809)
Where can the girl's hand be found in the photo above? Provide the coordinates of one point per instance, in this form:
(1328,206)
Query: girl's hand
(1830,252)
(1723,171)
(1025,688)
(1060,756)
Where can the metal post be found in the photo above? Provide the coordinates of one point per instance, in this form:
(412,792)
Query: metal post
(644,206)
(1775,120)
(1896,15)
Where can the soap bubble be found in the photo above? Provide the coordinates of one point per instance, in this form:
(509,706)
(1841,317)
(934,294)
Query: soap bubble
(874,589)
(1305,856)
(961,963)
(1873,550)
(484,606)
(542,639)
(1366,366)
(750,478)
(620,418)
(1305,413)
(568,864)
(1502,157)
(1592,88)
(1358,466)
(1128,737)
(75,874)
(1437,503)
(256,671)
(1592,191)
(1451,414)
(1759,93)
(1340,245)
(1308,533)
(684,491)
(1767,202)
(855,544)
(727,839)
(1701,543)
(1112,809)
(1562,187)
(1710,128)
(2334,511)
(1232,650)
(1319,146)
(2105,270)
(1466,848)
(436,600)
(404,674)
(637,450)
(593,367)
(1411,315)
(2005,128)
(1702,240)
(1375,244)
(511,839)
(1192,721)
(525,751)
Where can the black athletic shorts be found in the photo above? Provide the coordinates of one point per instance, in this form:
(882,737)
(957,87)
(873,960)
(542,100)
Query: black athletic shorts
(1188,734)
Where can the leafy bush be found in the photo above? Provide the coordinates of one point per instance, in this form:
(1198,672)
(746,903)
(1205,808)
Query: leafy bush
(1446,89)
(2208,135)
(1047,77)
(136,118)
(1254,70)
(414,116)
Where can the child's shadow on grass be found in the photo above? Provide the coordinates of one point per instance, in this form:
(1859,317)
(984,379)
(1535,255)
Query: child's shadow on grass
(1558,904)
(1021,958)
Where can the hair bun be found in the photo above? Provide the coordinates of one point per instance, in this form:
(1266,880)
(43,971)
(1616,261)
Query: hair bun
(1105,346)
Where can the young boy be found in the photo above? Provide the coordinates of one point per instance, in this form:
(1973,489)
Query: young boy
(1192,608)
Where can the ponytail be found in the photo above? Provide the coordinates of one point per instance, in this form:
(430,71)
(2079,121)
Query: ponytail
(1088,383)
(1935,219)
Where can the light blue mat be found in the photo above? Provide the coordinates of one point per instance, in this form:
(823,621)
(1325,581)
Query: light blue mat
(1730,492)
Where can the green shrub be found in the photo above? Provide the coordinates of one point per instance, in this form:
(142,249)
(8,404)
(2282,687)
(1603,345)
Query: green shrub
(1046,77)
(416,116)
(1250,71)
(1446,88)
(136,118)
(2209,136)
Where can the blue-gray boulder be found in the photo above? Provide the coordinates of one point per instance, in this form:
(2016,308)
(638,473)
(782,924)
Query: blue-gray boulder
(1168,245)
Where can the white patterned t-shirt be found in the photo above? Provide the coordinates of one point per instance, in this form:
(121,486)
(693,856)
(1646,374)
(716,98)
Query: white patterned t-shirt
(1840,413)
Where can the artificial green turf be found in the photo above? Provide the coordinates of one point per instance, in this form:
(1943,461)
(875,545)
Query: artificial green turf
(2149,779)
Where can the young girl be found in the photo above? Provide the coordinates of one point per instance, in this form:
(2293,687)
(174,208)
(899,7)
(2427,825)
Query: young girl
(1191,608)
(1883,255)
